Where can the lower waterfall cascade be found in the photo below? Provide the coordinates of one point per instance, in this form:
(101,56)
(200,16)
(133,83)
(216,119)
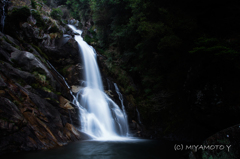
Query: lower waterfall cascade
(100,116)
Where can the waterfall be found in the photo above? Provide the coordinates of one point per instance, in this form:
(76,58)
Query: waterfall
(123,107)
(100,116)
(3,14)
(138,114)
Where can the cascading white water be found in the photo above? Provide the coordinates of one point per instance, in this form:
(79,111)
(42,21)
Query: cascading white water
(100,116)
(121,100)
(138,114)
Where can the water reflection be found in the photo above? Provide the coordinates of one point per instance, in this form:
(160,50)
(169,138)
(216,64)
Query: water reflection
(128,149)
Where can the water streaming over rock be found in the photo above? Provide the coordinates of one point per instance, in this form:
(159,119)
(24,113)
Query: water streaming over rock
(3,16)
(100,116)
(138,114)
(123,107)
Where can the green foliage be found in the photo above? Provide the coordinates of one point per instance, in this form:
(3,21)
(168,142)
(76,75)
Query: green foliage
(38,17)
(40,77)
(54,3)
(12,23)
(88,39)
(22,14)
(46,89)
(91,36)
(39,51)
(33,3)
(79,9)
(56,13)
(215,47)
(7,40)
(54,29)
(65,12)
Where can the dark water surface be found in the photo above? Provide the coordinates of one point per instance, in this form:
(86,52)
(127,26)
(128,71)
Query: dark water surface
(129,149)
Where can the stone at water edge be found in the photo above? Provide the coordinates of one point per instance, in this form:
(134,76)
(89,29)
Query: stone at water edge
(64,103)
(76,88)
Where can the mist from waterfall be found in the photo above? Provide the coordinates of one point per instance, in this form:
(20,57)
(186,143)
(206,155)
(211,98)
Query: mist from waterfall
(100,116)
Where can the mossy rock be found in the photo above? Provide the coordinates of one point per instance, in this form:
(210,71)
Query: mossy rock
(56,13)
(39,51)
(42,78)
(54,29)
(40,23)
(14,18)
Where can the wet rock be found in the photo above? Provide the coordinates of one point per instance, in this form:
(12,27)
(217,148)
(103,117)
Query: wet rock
(70,48)
(28,61)
(2,83)
(74,74)
(63,53)
(76,88)
(109,92)
(64,39)
(70,113)
(31,63)
(46,40)
(5,56)
(41,130)
(31,20)
(73,22)
(30,33)
(13,41)
(14,73)
(64,103)
(32,123)
(71,128)
(7,47)
(9,111)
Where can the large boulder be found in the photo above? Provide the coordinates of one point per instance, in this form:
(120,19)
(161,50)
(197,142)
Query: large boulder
(29,62)
(15,73)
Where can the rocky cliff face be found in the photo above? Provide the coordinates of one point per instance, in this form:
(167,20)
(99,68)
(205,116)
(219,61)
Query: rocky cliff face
(35,109)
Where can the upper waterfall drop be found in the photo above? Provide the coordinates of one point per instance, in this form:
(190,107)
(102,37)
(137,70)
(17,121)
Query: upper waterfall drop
(100,116)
